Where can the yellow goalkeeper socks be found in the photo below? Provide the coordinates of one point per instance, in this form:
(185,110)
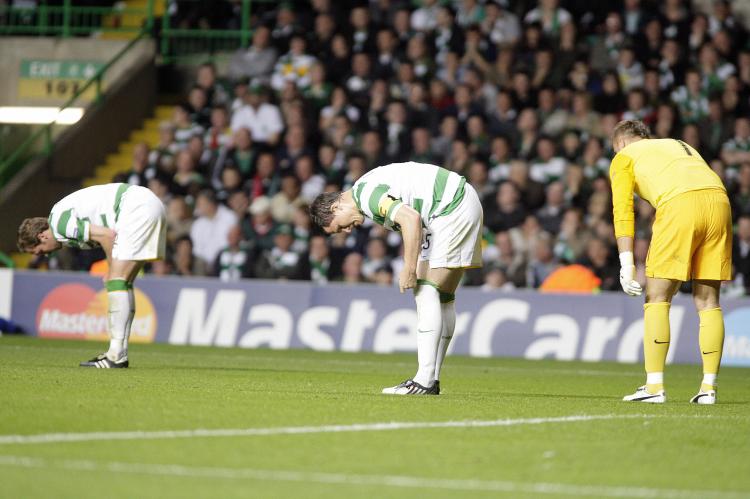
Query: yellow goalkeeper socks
(655,343)
(711,340)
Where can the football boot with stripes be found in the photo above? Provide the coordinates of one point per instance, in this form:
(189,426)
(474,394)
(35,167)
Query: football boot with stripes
(643,395)
(411,387)
(704,398)
(101,361)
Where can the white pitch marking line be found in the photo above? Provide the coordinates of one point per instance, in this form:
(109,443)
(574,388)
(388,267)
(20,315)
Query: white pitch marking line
(43,438)
(404,481)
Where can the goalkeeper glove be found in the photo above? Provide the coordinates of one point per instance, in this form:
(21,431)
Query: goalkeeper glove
(627,275)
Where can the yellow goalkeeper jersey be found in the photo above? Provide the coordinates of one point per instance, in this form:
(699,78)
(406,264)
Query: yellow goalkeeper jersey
(657,170)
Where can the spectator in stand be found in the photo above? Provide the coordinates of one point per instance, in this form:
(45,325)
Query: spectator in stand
(551,214)
(352,269)
(599,259)
(295,146)
(257,61)
(184,126)
(294,66)
(200,111)
(737,149)
(547,166)
(218,135)
(179,219)
(741,252)
(186,179)
(311,183)
(507,211)
(376,256)
(185,261)
(140,172)
(161,157)
(285,201)
(262,118)
(210,230)
(233,262)
(543,262)
(280,262)
(322,268)
(259,229)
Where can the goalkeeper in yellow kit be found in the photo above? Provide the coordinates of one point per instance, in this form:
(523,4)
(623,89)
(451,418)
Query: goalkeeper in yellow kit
(691,241)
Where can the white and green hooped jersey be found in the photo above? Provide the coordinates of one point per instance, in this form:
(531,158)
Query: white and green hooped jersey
(429,189)
(72,216)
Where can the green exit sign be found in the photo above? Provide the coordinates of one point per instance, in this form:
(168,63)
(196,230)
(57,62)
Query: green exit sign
(69,70)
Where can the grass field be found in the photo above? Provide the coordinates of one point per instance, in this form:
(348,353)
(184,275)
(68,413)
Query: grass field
(307,424)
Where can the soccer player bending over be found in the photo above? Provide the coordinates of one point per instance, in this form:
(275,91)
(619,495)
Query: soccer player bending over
(692,240)
(436,211)
(129,223)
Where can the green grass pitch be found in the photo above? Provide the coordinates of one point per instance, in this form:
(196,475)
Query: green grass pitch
(304,424)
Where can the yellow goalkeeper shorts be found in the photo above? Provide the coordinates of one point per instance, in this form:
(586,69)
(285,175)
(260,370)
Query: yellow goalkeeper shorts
(692,238)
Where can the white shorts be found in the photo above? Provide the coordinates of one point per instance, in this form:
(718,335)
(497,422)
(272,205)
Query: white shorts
(455,240)
(141,226)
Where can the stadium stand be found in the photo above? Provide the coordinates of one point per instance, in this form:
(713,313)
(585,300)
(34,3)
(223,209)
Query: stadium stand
(518,96)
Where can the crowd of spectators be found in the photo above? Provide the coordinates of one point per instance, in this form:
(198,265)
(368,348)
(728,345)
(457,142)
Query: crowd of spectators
(520,97)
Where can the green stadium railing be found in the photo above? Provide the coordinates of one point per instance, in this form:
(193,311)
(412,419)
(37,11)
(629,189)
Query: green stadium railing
(68,20)
(179,44)
(42,138)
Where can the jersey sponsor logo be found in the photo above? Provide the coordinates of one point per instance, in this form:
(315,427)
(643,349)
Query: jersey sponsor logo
(78,311)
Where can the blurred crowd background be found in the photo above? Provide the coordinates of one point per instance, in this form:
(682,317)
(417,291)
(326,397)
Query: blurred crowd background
(520,97)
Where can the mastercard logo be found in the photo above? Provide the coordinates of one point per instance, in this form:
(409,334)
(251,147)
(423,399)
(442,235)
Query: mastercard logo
(77,311)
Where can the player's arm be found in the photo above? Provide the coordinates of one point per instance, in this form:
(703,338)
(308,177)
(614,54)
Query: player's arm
(104,236)
(622,178)
(410,222)
(411,231)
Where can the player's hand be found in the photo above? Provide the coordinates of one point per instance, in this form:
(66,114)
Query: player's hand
(407,279)
(627,275)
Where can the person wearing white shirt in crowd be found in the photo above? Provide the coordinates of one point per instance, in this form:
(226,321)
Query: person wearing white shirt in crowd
(264,120)
(210,231)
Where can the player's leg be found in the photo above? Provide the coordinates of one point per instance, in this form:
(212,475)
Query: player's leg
(429,329)
(447,280)
(119,291)
(711,264)
(667,264)
(710,336)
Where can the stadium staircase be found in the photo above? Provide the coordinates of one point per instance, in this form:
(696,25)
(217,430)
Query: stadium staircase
(121,161)
(134,17)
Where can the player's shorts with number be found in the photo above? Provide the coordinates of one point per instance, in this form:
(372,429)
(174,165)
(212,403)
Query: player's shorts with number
(692,238)
(454,240)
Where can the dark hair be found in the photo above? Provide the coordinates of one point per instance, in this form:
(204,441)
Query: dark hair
(631,128)
(28,232)
(321,212)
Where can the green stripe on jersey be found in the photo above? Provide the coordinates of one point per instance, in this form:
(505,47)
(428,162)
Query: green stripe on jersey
(118,198)
(104,220)
(418,205)
(456,199)
(358,195)
(438,189)
(81,226)
(62,222)
(377,193)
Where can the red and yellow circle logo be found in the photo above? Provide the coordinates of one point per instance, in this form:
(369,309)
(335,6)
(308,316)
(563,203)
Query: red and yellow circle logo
(77,311)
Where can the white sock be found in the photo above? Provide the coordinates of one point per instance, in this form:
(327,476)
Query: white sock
(709,379)
(448,312)
(429,326)
(654,378)
(119,310)
(131,316)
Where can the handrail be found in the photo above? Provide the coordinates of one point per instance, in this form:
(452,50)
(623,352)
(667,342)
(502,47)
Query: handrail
(7,165)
